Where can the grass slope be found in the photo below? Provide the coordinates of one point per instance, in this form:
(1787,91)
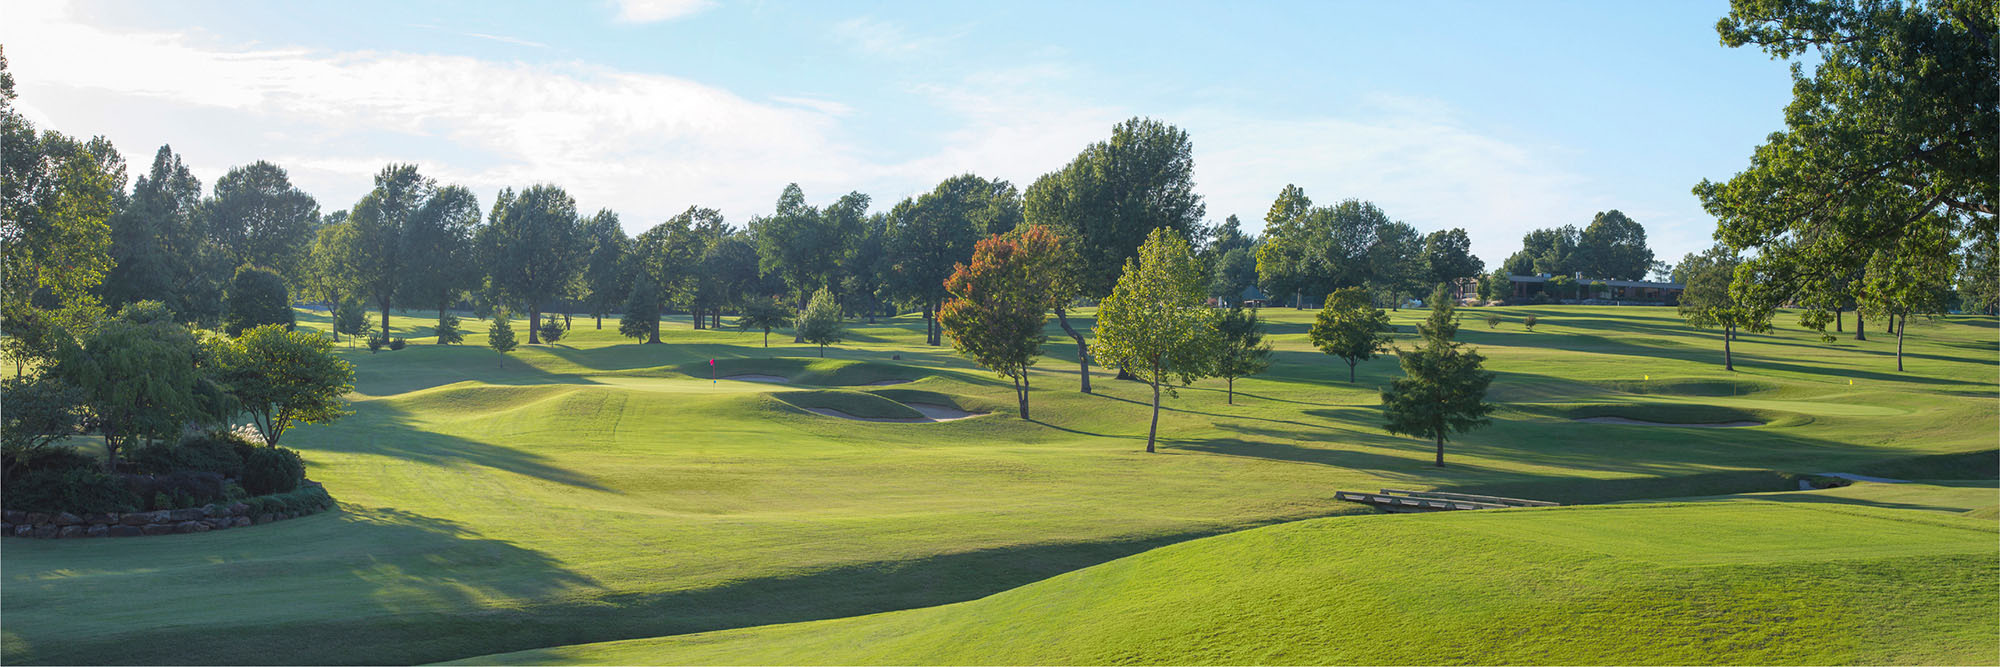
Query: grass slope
(1740,583)
(601,489)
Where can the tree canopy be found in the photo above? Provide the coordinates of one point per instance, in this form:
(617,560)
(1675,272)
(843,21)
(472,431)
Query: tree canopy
(1156,323)
(1443,390)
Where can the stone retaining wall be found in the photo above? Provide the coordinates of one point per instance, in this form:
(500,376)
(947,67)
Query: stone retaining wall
(15,523)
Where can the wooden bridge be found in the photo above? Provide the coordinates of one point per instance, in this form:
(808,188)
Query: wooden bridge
(1394,500)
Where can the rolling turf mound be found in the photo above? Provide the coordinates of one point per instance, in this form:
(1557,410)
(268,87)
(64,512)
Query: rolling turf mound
(1749,582)
(823,372)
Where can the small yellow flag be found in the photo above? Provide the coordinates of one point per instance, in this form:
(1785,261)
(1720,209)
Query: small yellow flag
(1649,378)
(1850,382)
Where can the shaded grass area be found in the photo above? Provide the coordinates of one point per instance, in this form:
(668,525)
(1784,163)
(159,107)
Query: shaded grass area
(1743,583)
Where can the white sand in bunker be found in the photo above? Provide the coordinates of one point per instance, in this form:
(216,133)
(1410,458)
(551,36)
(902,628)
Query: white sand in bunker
(755,377)
(932,412)
(1636,422)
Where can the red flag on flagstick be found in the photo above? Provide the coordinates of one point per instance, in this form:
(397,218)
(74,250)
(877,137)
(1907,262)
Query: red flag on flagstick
(711,371)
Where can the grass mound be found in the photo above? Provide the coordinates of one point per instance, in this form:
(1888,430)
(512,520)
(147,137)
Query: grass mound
(824,372)
(1680,387)
(1674,413)
(1965,465)
(1675,583)
(856,403)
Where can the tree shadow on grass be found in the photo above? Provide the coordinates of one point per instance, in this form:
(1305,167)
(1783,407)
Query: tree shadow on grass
(382,430)
(571,611)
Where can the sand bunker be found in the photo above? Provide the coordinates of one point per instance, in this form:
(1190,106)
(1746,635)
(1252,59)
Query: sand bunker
(932,414)
(1635,422)
(754,377)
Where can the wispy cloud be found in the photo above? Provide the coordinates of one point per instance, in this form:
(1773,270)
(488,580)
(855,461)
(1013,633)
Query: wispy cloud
(652,11)
(510,40)
(878,37)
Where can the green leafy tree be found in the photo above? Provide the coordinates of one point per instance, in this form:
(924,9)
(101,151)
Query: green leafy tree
(1613,246)
(1290,265)
(447,330)
(1235,274)
(258,217)
(999,304)
(605,275)
(1444,388)
(642,311)
(56,241)
(1708,300)
(1351,328)
(1530,321)
(1912,277)
(382,223)
(328,270)
(281,378)
(500,335)
(1979,277)
(138,376)
(1497,287)
(351,318)
(803,245)
(931,234)
(1242,351)
(763,313)
(1396,263)
(529,245)
(438,239)
(1349,244)
(1108,200)
(1448,257)
(42,409)
(1156,323)
(819,324)
(256,297)
(1892,133)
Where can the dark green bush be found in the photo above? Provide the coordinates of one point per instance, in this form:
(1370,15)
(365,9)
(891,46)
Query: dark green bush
(84,489)
(178,489)
(57,458)
(216,452)
(375,344)
(397,343)
(153,458)
(271,470)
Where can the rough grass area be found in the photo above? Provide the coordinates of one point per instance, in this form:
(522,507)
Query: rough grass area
(601,489)
(1746,583)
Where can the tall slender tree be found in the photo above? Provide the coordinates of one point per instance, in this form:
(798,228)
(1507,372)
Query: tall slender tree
(1351,328)
(438,239)
(256,216)
(1157,322)
(381,221)
(1109,199)
(605,273)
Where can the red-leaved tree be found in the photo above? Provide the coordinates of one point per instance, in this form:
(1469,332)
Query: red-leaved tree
(1001,300)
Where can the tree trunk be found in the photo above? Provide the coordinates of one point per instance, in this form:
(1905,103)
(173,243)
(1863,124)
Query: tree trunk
(767,338)
(1860,327)
(600,320)
(1440,450)
(385,319)
(1021,392)
(1298,300)
(1350,370)
(1728,364)
(653,331)
(822,351)
(1900,326)
(1082,350)
(1839,320)
(799,336)
(1153,432)
(566,321)
(1232,390)
(110,449)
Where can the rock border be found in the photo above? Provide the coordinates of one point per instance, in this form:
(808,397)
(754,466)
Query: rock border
(63,525)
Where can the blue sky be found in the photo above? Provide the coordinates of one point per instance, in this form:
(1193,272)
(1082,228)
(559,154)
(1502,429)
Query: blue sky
(1498,117)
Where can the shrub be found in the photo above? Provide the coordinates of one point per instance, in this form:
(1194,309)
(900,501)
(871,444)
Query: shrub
(59,459)
(178,489)
(271,470)
(1492,320)
(375,344)
(82,489)
(1530,322)
(219,452)
(397,343)
(155,458)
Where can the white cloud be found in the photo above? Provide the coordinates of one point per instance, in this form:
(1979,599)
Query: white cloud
(652,11)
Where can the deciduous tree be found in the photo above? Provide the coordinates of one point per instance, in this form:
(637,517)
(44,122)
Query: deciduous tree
(1709,301)
(1351,328)
(1242,351)
(1157,323)
(281,378)
(819,323)
(529,245)
(256,297)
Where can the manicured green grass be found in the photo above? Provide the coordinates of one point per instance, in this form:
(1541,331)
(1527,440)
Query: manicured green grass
(601,489)
(1743,583)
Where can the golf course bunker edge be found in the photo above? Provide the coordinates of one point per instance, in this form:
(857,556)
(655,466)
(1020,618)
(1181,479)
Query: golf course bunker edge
(933,413)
